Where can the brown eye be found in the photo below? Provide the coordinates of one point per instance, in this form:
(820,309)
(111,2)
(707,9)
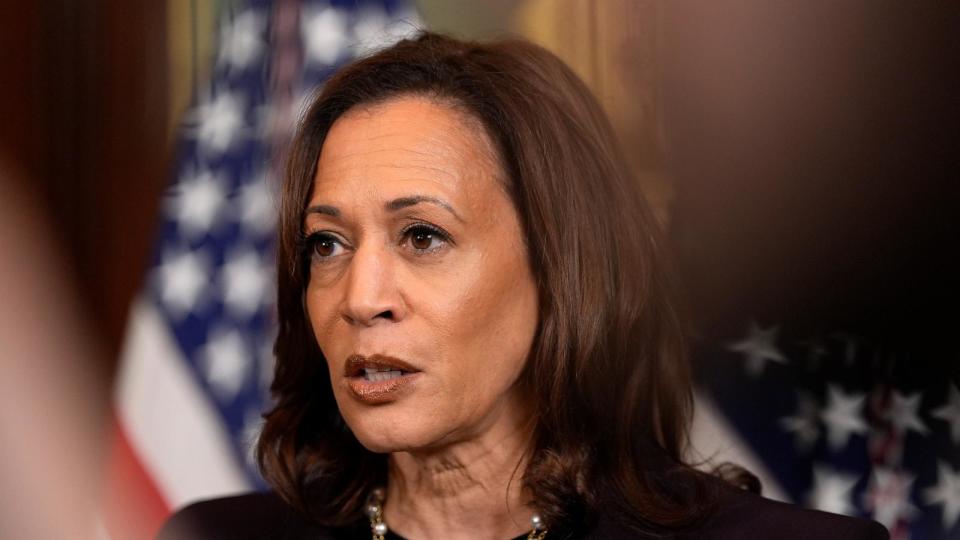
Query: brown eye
(425,239)
(323,246)
(421,240)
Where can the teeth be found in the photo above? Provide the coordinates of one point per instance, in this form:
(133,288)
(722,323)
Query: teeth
(377,375)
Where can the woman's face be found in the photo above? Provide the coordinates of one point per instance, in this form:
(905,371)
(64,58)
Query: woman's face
(421,295)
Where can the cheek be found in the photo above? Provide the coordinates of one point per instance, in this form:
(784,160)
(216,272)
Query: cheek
(511,326)
(490,321)
(323,319)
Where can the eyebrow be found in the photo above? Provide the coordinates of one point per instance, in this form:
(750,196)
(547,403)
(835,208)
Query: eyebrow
(390,206)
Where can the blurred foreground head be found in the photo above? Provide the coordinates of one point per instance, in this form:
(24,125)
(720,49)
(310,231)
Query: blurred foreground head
(53,397)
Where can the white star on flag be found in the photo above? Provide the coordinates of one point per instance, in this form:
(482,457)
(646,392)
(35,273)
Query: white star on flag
(888,496)
(950,412)
(375,30)
(370,32)
(245,283)
(804,425)
(182,279)
(831,491)
(241,41)
(946,494)
(198,199)
(903,413)
(324,35)
(842,416)
(226,363)
(759,347)
(221,122)
(257,206)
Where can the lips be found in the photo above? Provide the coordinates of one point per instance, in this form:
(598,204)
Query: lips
(358,365)
(378,379)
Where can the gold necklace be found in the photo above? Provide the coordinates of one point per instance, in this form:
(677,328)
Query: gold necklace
(379,529)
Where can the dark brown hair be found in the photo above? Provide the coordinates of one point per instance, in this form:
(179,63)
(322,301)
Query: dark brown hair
(608,367)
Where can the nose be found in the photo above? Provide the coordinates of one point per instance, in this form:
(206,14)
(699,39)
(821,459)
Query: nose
(372,295)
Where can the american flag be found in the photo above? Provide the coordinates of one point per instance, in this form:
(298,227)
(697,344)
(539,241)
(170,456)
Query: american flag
(197,361)
(842,422)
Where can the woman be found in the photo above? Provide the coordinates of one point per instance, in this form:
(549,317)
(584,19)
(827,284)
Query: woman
(477,336)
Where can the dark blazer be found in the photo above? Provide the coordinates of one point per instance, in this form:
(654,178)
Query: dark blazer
(742,515)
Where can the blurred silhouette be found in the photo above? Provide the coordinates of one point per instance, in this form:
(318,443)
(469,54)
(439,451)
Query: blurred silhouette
(52,397)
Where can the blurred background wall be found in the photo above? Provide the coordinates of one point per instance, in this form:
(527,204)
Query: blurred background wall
(802,157)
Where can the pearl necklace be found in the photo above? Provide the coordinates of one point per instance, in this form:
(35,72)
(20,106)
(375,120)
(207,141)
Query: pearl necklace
(379,528)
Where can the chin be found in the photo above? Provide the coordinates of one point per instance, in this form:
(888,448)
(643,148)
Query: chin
(383,432)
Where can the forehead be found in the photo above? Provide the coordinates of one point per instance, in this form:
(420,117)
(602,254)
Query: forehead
(404,144)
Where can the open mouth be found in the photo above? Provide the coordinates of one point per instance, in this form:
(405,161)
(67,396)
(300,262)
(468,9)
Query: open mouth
(377,367)
(378,374)
(378,378)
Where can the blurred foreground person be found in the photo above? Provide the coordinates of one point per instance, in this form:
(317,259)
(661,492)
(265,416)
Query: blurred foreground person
(52,395)
(478,337)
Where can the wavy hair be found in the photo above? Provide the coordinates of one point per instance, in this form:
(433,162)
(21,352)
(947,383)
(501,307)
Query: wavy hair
(608,366)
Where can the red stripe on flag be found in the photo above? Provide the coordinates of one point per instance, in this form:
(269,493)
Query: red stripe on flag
(133,507)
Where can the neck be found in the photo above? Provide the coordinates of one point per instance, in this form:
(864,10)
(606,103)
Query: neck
(469,489)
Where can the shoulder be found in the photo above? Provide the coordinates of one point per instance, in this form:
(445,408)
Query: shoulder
(248,516)
(742,514)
